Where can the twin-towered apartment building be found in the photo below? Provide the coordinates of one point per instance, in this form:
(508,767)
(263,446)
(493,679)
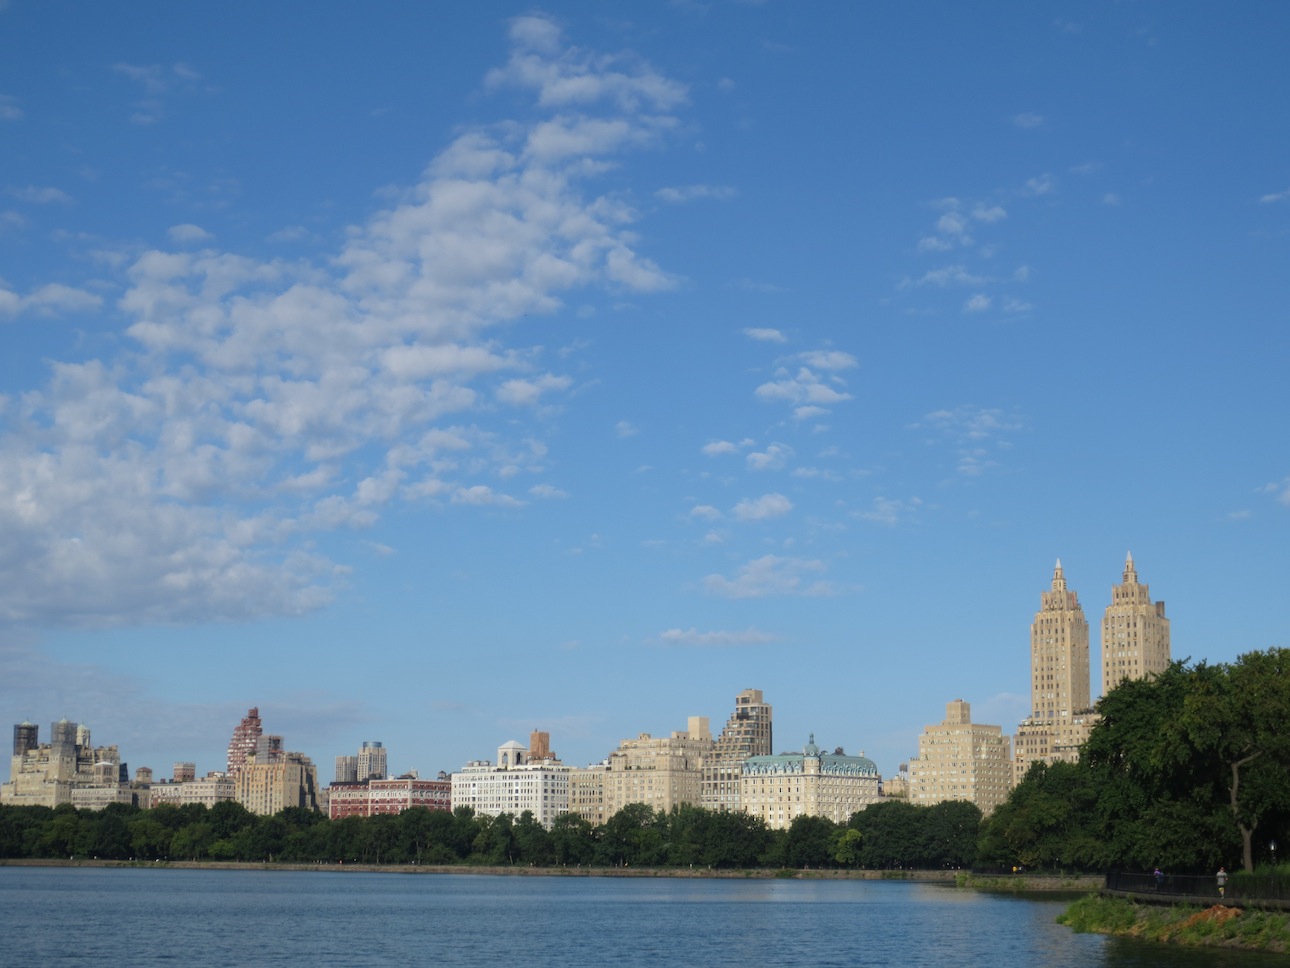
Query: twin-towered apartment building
(738,770)
(962,760)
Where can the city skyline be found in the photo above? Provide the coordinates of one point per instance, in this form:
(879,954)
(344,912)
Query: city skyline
(448,374)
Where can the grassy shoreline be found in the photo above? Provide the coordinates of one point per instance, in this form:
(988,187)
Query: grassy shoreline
(1182,924)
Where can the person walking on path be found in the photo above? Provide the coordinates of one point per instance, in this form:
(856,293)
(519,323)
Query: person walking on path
(1222,881)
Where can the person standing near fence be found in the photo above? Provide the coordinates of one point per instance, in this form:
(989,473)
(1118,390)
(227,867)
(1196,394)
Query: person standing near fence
(1222,881)
(1159,875)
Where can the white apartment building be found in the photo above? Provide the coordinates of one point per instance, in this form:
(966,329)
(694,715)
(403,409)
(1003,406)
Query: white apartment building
(512,785)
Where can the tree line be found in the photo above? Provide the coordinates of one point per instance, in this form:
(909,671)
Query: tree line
(890,834)
(1188,770)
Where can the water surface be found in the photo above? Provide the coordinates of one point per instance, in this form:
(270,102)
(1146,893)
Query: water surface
(83,916)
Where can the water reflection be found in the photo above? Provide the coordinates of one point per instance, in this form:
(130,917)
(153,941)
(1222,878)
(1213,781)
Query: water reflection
(146,917)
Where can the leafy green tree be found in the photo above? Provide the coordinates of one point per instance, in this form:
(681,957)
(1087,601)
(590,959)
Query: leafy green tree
(572,840)
(150,837)
(533,842)
(848,846)
(495,842)
(193,842)
(950,832)
(228,817)
(1046,822)
(632,837)
(1238,722)
(809,842)
(892,834)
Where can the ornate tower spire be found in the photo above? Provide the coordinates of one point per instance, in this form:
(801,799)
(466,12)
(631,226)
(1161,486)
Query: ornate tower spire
(1059,578)
(1130,573)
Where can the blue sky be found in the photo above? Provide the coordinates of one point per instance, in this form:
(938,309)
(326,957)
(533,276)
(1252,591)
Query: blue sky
(432,373)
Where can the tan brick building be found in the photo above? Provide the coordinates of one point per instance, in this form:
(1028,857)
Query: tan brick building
(1135,632)
(962,760)
(286,780)
(747,733)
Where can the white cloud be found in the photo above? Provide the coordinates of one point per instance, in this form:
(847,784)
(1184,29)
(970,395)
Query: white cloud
(259,402)
(688,193)
(954,275)
(1276,197)
(705,512)
(1028,120)
(41,195)
(1279,491)
(625,428)
(773,458)
(526,393)
(770,576)
(715,639)
(1014,305)
(1041,185)
(9,109)
(890,512)
(49,300)
(717,448)
(762,508)
(481,495)
(977,435)
(765,335)
(571,77)
(801,388)
(188,233)
(547,492)
(977,303)
(829,360)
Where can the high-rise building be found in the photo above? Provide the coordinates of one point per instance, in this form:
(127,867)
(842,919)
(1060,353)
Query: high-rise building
(346,769)
(747,733)
(962,760)
(67,771)
(1059,655)
(812,783)
(371,762)
(26,736)
(1135,632)
(1061,711)
(268,786)
(245,736)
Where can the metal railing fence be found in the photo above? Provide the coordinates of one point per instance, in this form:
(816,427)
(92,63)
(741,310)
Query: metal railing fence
(1204,887)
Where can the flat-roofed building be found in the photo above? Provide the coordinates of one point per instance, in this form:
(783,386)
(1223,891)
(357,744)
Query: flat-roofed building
(371,797)
(285,780)
(207,790)
(662,772)
(962,760)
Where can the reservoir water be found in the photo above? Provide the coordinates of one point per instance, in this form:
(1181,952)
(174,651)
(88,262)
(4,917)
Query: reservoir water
(95,916)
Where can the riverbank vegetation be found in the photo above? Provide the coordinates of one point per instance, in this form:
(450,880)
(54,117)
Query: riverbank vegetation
(1216,926)
(885,835)
(1187,771)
